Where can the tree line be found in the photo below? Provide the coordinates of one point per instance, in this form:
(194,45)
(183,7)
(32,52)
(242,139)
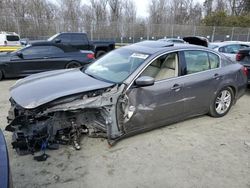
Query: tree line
(116,18)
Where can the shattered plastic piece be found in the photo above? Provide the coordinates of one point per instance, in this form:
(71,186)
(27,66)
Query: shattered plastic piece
(42,157)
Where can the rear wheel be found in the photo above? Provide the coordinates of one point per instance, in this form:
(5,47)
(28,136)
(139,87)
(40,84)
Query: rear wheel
(100,53)
(73,64)
(222,102)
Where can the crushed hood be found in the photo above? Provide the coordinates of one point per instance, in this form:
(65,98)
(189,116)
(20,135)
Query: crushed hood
(39,89)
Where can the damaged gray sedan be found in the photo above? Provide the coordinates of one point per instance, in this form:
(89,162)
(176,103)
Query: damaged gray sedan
(128,91)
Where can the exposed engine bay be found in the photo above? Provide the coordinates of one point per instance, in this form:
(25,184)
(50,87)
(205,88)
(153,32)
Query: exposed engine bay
(66,120)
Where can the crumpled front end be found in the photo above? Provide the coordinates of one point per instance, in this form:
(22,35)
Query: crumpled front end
(65,120)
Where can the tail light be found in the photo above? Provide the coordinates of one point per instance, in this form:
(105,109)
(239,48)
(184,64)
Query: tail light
(245,71)
(239,56)
(91,56)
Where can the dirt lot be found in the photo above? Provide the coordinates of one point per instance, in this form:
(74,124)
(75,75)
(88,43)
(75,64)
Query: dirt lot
(200,152)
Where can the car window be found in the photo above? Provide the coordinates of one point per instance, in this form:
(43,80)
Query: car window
(243,46)
(230,49)
(163,67)
(12,38)
(76,38)
(55,50)
(214,60)
(196,61)
(35,50)
(64,37)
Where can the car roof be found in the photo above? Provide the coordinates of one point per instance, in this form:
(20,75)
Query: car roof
(152,47)
(43,43)
(65,48)
(227,43)
(72,33)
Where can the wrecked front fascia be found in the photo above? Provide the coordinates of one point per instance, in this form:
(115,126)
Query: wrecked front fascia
(106,102)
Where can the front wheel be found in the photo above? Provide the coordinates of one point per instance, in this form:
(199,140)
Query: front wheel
(73,64)
(222,102)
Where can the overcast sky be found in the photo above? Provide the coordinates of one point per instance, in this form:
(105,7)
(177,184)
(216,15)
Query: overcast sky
(142,6)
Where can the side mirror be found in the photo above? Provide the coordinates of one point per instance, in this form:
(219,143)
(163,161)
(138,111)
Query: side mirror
(57,40)
(19,54)
(145,81)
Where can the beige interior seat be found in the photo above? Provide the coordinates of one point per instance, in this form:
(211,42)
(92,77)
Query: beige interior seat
(152,69)
(169,68)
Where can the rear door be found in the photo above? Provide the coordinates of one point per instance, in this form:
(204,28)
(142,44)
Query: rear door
(202,77)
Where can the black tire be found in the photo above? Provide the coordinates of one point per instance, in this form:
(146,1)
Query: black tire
(222,102)
(100,53)
(73,64)
(1,75)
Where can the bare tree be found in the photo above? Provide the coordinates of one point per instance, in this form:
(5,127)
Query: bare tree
(115,10)
(158,11)
(129,18)
(208,6)
(70,12)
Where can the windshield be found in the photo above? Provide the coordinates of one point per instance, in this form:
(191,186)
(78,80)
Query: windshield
(54,36)
(117,65)
(21,49)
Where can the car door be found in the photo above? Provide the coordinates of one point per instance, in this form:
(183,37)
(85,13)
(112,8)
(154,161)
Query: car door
(200,79)
(32,60)
(158,104)
(55,59)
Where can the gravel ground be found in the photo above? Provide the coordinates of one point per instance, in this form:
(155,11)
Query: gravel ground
(200,152)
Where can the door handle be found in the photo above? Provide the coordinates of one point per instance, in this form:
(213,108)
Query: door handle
(45,57)
(216,76)
(176,87)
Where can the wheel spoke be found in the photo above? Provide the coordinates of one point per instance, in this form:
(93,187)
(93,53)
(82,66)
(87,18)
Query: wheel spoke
(223,102)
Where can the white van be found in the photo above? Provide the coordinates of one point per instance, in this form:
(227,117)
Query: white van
(9,39)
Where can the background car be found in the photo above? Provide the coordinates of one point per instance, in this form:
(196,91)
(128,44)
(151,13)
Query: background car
(174,40)
(82,42)
(228,48)
(9,39)
(243,57)
(40,57)
(5,174)
(128,91)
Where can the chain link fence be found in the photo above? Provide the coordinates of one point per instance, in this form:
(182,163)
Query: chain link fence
(37,29)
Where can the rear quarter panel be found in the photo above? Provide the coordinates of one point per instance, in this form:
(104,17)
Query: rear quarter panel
(232,75)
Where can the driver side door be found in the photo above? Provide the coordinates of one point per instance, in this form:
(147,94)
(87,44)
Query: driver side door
(160,104)
(32,60)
